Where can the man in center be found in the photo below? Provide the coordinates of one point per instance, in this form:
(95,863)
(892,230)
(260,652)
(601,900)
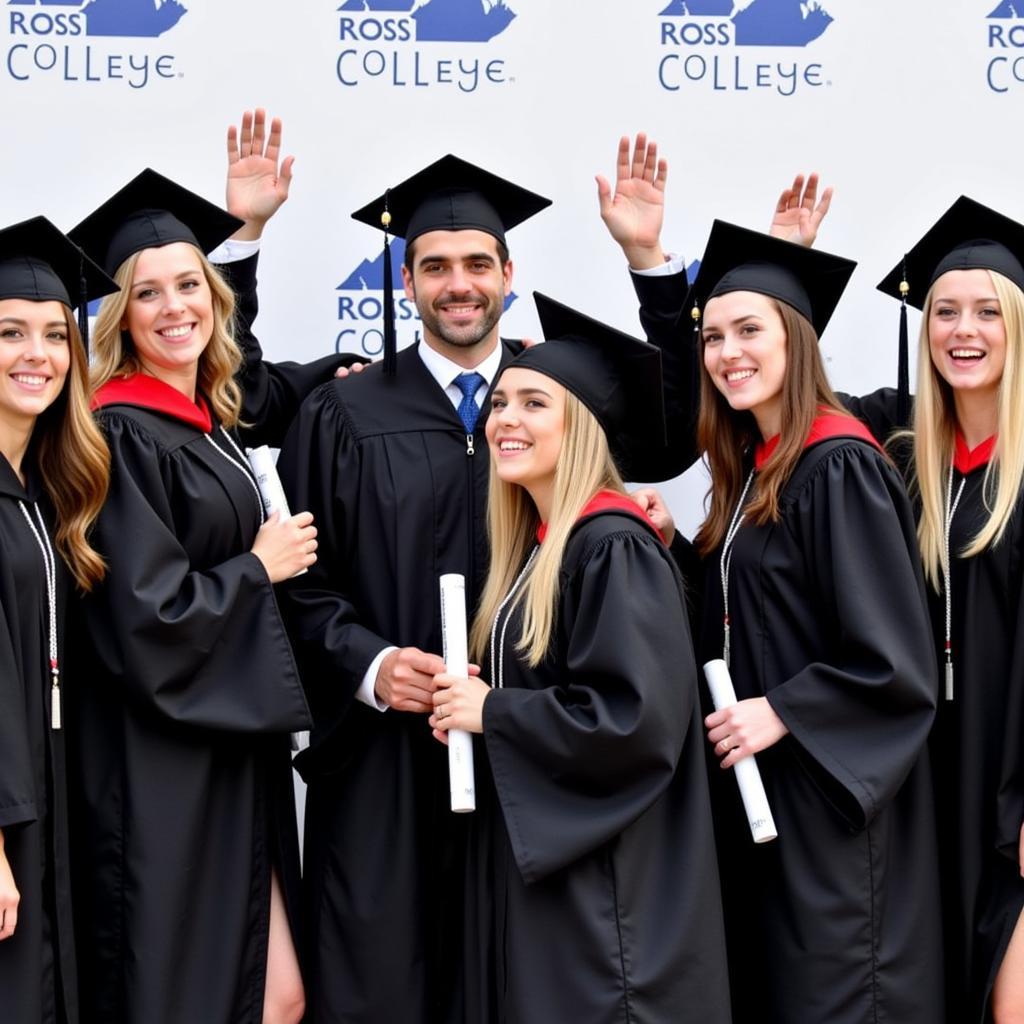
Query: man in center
(393,465)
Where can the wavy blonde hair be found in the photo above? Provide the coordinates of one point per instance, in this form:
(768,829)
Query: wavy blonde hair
(74,464)
(114,353)
(585,466)
(934,439)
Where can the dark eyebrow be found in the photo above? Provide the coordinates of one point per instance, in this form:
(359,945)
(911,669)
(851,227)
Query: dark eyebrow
(24,323)
(177,277)
(738,320)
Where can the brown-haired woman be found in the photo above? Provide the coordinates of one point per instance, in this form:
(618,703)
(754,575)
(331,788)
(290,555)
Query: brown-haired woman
(814,597)
(54,470)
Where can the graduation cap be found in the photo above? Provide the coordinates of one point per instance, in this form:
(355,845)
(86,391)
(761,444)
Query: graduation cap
(617,377)
(151,211)
(448,195)
(738,259)
(968,236)
(39,263)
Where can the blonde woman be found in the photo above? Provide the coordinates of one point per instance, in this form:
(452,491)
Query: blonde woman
(54,471)
(592,884)
(188,841)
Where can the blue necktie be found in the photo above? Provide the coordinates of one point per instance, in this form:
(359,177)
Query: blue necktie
(468,384)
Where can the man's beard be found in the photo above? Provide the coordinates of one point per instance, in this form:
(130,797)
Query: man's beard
(470,334)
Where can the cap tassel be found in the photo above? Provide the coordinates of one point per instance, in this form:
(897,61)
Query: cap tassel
(83,306)
(390,342)
(903,368)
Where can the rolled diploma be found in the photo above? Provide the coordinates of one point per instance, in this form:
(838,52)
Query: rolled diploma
(271,492)
(456,658)
(748,778)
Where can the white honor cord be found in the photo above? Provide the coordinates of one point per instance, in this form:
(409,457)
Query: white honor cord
(50,563)
(241,466)
(497,666)
(726,561)
(947,572)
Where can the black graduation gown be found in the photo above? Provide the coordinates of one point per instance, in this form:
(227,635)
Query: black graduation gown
(592,886)
(383,463)
(837,920)
(977,742)
(184,715)
(37,964)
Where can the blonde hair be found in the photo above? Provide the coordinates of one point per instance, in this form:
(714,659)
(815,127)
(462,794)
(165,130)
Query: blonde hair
(934,438)
(114,353)
(585,466)
(74,464)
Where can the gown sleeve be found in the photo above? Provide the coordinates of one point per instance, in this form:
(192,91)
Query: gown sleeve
(877,411)
(665,325)
(1010,795)
(202,647)
(574,764)
(271,392)
(860,719)
(321,470)
(17,778)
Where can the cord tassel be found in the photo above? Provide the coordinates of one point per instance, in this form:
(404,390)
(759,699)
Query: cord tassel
(903,367)
(390,342)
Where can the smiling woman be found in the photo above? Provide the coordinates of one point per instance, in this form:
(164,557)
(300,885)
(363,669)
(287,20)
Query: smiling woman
(53,477)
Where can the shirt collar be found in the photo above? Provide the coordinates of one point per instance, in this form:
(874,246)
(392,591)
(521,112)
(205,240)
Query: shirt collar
(444,371)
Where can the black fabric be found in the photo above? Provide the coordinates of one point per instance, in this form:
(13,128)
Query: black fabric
(838,919)
(149,212)
(37,964)
(968,236)
(592,888)
(383,463)
(39,263)
(738,259)
(452,194)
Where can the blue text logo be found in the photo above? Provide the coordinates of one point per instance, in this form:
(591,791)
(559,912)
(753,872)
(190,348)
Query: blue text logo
(704,40)
(382,42)
(61,38)
(1006,46)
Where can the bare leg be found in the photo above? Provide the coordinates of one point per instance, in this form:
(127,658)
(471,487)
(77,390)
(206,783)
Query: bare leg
(1008,991)
(284,1000)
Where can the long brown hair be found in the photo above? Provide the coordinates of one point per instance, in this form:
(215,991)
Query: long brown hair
(724,434)
(114,353)
(74,464)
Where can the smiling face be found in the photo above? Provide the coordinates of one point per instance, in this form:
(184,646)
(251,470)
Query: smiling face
(459,284)
(525,431)
(170,313)
(966,332)
(745,355)
(35,355)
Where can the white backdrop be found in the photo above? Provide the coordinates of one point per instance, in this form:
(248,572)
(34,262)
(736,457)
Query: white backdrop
(901,105)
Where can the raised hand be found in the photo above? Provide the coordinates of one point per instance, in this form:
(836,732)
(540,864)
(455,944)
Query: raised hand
(798,213)
(634,213)
(257,185)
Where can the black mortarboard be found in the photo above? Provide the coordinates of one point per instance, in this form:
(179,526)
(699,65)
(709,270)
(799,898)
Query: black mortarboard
(968,236)
(40,263)
(448,195)
(615,376)
(151,211)
(738,259)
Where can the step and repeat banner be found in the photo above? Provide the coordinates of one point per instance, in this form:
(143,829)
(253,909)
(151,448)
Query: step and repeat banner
(902,105)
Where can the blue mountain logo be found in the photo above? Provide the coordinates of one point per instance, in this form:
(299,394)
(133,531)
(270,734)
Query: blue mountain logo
(136,18)
(369,275)
(445,21)
(1009,9)
(765,22)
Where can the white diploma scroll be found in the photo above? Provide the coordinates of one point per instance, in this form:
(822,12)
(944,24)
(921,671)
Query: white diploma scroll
(748,778)
(269,483)
(456,660)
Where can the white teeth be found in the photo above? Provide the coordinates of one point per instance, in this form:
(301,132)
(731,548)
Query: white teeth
(27,378)
(513,446)
(966,353)
(176,332)
(739,375)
